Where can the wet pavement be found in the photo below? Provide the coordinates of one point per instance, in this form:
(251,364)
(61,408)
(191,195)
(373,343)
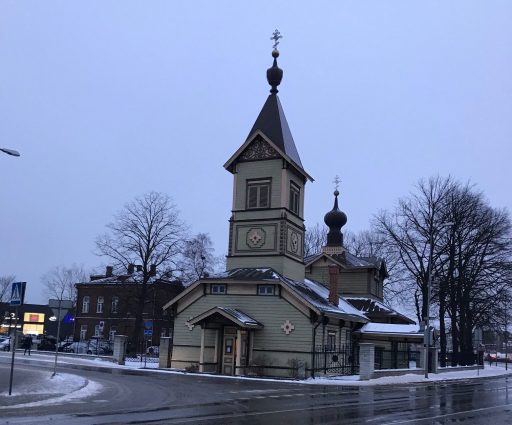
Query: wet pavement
(190,399)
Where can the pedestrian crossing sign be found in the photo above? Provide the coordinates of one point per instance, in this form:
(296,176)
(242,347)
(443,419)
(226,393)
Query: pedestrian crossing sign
(18,293)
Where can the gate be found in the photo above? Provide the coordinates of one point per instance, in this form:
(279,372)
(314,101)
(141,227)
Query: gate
(335,361)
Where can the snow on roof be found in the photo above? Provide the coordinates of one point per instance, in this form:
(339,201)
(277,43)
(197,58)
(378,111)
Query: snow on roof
(389,328)
(240,315)
(318,295)
(372,305)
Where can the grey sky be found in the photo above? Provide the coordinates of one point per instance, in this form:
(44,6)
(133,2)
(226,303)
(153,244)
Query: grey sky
(107,100)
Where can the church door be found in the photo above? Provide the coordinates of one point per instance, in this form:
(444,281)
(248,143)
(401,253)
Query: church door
(229,351)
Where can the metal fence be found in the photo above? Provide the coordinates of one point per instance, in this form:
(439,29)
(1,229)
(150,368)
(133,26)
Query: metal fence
(394,359)
(143,354)
(335,360)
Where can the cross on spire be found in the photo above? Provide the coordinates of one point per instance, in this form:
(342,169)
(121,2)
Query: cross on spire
(276,35)
(336,181)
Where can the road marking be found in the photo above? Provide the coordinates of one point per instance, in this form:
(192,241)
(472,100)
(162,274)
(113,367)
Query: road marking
(431,418)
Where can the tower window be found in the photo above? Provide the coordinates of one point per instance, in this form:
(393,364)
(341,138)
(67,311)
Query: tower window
(294,198)
(258,193)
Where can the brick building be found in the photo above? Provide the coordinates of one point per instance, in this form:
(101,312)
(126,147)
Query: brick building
(107,305)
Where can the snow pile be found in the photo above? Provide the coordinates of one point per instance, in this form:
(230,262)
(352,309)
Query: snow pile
(412,378)
(59,389)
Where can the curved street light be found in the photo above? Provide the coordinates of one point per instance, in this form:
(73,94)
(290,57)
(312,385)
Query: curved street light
(11,152)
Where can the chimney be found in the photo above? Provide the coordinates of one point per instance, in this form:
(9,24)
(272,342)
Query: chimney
(139,267)
(152,270)
(131,268)
(333,284)
(109,271)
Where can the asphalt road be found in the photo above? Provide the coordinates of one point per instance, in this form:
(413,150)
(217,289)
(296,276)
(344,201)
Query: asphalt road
(190,399)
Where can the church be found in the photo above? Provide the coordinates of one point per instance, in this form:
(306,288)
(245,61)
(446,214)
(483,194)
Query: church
(274,312)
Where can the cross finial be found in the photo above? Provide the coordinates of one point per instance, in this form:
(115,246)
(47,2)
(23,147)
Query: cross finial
(276,35)
(336,181)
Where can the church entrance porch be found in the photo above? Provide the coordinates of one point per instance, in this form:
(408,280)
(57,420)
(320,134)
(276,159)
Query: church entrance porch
(226,340)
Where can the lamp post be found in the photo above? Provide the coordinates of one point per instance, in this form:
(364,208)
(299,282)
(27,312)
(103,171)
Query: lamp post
(11,152)
(426,335)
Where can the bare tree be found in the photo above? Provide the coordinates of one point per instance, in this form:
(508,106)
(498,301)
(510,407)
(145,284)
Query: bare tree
(148,232)
(412,231)
(59,282)
(470,259)
(5,287)
(198,258)
(315,239)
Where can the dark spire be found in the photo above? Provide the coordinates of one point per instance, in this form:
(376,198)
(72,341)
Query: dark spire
(274,74)
(335,220)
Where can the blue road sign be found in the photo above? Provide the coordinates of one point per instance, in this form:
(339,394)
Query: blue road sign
(18,293)
(148,324)
(148,332)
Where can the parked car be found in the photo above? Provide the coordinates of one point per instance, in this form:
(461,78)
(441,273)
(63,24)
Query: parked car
(5,343)
(154,350)
(95,346)
(47,343)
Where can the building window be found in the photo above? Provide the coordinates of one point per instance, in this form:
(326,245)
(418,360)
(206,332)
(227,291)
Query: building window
(294,198)
(265,289)
(331,341)
(99,305)
(97,330)
(115,304)
(218,289)
(83,332)
(85,304)
(258,194)
(112,333)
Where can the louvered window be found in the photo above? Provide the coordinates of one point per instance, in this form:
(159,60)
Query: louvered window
(258,194)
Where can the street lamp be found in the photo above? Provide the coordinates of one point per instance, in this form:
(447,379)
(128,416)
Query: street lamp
(11,152)
(426,335)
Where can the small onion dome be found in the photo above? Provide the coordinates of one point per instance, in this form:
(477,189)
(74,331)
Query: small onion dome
(335,220)
(274,74)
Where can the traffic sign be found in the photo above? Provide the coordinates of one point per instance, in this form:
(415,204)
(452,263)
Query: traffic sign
(148,328)
(18,293)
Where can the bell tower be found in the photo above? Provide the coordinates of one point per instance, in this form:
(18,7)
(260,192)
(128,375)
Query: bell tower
(266,228)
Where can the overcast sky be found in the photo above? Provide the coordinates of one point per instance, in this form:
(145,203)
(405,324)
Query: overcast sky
(107,100)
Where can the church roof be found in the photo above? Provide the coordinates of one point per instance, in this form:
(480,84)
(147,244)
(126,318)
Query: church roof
(312,293)
(350,260)
(374,308)
(272,123)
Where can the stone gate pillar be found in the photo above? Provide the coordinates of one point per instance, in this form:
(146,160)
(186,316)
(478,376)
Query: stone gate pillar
(120,344)
(164,358)
(366,360)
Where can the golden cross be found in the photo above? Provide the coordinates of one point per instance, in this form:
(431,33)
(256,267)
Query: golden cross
(276,35)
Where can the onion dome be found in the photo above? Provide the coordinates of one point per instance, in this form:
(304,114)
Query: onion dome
(274,74)
(335,220)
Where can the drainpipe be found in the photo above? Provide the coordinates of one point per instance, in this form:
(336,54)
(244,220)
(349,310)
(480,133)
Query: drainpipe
(313,348)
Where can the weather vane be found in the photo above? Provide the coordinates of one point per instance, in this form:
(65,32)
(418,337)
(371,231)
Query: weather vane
(276,35)
(336,181)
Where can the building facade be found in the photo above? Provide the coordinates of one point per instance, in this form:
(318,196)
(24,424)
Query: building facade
(107,306)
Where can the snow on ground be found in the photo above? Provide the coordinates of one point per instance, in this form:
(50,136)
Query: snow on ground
(59,389)
(488,371)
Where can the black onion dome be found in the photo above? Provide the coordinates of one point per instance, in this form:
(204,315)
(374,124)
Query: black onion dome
(335,220)
(274,74)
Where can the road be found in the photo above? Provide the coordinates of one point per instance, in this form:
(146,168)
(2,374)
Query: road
(191,399)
